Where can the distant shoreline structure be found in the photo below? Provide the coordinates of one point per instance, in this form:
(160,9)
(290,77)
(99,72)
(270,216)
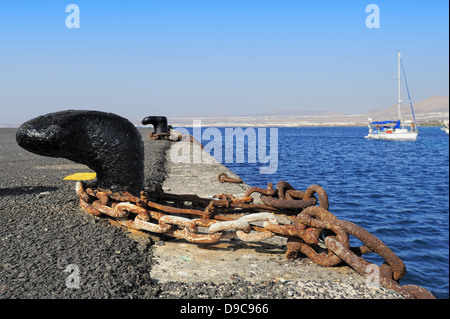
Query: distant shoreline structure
(220,122)
(430,112)
(185,123)
(206,123)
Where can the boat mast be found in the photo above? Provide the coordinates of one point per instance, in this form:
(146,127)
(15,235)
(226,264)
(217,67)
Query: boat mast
(399,111)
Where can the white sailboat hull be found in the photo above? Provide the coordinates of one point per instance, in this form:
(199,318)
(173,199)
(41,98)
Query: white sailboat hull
(399,135)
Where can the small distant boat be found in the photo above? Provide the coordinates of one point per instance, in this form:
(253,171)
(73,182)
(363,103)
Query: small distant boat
(445,128)
(398,129)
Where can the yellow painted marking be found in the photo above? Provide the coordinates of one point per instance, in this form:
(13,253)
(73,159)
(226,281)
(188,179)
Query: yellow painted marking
(81,177)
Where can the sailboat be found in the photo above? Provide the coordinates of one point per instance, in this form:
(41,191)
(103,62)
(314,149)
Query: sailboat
(445,127)
(398,129)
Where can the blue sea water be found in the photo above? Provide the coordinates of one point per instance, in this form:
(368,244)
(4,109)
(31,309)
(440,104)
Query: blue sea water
(397,190)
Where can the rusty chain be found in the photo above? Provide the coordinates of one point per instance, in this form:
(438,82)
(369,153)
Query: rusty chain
(225,217)
(223,177)
(174,136)
(171,135)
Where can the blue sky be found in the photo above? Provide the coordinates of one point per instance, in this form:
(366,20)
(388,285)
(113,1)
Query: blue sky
(234,57)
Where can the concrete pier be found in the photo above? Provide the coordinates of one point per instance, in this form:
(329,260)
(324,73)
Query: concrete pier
(44,235)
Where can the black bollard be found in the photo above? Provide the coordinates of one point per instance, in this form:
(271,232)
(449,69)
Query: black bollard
(105,142)
(158,122)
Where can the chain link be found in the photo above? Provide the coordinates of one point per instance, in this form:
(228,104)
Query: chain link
(309,223)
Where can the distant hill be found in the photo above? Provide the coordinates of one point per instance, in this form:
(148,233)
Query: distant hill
(433,104)
(435,108)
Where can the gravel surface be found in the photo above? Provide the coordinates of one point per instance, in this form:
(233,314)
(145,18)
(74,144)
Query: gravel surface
(44,233)
(45,239)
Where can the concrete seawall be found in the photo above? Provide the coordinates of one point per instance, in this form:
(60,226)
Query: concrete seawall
(261,266)
(44,234)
